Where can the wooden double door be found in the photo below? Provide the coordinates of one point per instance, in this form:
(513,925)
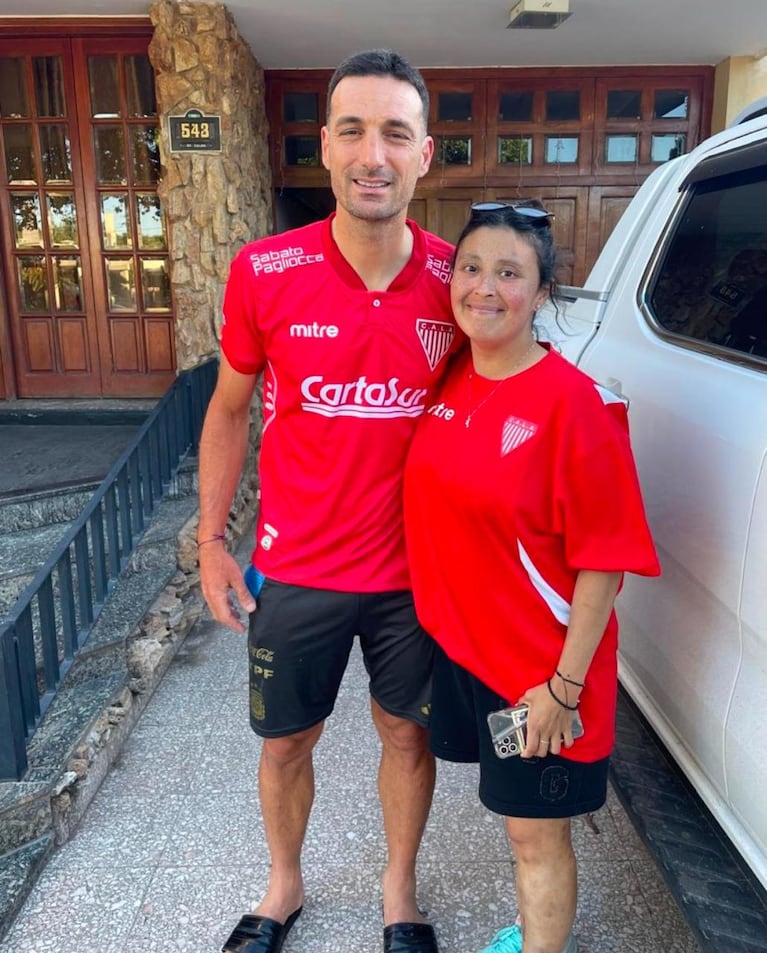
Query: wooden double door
(86,304)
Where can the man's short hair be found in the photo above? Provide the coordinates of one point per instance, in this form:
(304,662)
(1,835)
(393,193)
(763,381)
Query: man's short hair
(381,63)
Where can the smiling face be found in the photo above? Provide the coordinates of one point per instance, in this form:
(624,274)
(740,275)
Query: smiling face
(375,146)
(496,289)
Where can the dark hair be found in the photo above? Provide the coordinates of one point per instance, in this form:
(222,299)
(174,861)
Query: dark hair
(536,232)
(381,63)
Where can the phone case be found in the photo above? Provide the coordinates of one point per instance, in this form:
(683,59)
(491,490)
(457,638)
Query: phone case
(508,729)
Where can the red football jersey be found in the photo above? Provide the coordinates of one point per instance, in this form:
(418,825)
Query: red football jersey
(347,372)
(502,514)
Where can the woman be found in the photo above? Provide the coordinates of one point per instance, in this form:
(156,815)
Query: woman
(523,510)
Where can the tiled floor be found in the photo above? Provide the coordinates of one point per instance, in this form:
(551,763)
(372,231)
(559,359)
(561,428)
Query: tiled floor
(171,851)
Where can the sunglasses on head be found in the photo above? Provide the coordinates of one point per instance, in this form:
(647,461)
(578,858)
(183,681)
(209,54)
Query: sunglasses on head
(537,215)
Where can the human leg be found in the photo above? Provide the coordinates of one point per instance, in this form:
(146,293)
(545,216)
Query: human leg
(398,656)
(546,881)
(405,786)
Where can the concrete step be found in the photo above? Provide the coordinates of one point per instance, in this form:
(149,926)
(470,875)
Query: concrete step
(22,553)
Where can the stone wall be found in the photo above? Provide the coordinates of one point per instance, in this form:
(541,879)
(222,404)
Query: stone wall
(214,202)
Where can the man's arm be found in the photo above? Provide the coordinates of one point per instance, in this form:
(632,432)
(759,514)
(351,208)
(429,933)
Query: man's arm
(223,446)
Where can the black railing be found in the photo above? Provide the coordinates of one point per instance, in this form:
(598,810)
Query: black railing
(49,623)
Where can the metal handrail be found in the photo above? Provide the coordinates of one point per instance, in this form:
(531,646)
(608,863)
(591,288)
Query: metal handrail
(48,624)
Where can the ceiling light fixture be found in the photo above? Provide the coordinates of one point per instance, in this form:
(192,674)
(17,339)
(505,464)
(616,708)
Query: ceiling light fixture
(538,14)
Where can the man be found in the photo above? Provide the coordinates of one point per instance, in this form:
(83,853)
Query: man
(350,321)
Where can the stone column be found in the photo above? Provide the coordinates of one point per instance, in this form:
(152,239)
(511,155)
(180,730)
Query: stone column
(213,202)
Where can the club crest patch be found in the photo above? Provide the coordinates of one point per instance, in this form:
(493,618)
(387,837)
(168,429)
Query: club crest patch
(436,338)
(516,431)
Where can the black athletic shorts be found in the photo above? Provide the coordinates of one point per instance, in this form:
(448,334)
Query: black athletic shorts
(515,787)
(299,643)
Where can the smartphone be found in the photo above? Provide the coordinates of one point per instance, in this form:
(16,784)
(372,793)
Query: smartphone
(508,729)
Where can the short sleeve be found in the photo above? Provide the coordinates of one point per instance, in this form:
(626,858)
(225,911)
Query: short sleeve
(598,492)
(241,340)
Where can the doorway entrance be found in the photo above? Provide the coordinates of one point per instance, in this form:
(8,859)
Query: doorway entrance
(88,310)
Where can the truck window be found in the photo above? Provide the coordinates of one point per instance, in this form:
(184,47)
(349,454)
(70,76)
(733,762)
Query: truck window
(710,284)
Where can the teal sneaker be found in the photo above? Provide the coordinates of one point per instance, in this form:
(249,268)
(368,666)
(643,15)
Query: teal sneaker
(509,940)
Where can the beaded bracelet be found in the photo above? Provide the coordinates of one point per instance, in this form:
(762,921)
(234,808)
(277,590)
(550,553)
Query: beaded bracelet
(217,537)
(559,700)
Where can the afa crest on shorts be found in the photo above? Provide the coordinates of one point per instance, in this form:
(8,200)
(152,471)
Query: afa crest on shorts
(435,337)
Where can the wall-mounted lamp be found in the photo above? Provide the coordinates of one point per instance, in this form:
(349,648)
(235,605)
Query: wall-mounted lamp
(538,14)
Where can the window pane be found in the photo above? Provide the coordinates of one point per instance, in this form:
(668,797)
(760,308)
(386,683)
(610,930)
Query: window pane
(105,87)
(515,107)
(62,221)
(145,152)
(121,282)
(454,107)
(55,153)
(664,148)
(712,282)
(561,149)
(155,284)
(67,277)
(302,150)
(109,143)
(671,104)
(151,226)
(516,150)
(27,222)
(33,283)
(624,104)
(139,82)
(49,86)
(115,221)
(563,106)
(621,148)
(19,155)
(13,87)
(300,107)
(454,150)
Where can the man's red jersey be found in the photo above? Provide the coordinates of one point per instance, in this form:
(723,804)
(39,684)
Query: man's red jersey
(347,373)
(501,515)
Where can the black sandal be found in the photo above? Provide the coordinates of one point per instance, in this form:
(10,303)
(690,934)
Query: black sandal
(257,934)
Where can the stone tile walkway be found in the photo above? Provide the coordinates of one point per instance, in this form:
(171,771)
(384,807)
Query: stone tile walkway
(171,851)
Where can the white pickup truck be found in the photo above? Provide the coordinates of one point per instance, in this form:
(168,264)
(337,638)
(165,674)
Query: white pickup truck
(674,317)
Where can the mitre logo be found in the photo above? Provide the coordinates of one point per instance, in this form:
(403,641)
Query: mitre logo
(435,337)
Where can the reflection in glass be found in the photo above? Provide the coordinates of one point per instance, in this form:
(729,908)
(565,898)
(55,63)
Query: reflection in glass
(105,87)
(302,150)
(454,150)
(624,104)
(49,86)
(671,104)
(121,284)
(454,107)
(19,155)
(67,283)
(55,153)
(33,283)
(155,284)
(561,106)
(621,148)
(515,107)
(515,150)
(151,226)
(561,150)
(115,221)
(145,153)
(300,107)
(109,144)
(62,220)
(13,88)
(27,222)
(664,148)
(139,80)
